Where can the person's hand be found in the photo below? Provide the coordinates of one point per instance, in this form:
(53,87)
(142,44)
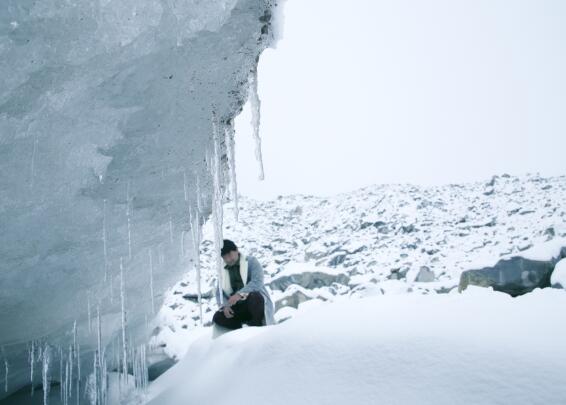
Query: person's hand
(228,312)
(234,298)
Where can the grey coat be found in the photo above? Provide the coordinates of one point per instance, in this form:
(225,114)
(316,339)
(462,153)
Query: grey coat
(255,283)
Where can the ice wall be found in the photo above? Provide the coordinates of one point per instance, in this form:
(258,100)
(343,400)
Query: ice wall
(106,113)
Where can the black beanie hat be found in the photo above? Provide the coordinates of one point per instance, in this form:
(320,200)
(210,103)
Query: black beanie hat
(228,247)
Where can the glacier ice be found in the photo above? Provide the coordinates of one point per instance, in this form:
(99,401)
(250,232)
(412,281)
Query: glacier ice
(105,123)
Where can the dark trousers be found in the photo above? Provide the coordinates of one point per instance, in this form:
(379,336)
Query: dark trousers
(248,311)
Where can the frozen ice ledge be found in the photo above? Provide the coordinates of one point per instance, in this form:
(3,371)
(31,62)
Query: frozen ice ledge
(107,112)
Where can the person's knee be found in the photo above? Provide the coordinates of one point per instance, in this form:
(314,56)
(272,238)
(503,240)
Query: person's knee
(218,317)
(255,298)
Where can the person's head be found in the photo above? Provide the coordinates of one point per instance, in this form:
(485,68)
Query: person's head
(229,252)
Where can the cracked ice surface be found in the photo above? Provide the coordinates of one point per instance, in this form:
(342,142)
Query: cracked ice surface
(105,122)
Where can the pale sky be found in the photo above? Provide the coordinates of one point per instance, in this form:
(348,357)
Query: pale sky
(362,92)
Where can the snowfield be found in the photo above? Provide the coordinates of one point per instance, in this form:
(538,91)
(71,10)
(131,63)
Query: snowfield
(477,347)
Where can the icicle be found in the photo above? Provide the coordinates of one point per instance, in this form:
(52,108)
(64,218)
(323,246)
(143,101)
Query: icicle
(182,255)
(7,372)
(99,338)
(255,105)
(45,374)
(77,354)
(217,214)
(94,387)
(103,380)
(70,370)
(151,281)
(198,195)
(66,401)
(143,368)
(78,358)
(31,363)
(123,310)
(196,236)
(231,149)
(104,241)
(129,221)
(61,372)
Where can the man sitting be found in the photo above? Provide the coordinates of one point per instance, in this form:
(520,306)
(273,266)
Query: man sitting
(244,296)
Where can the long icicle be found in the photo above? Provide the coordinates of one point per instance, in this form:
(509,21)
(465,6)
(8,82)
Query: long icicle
(196,237)
(61,386)
(7,372)
(45,373)
(231,150)
(123,318)
(99,351)
(31,363)
(78,359)
(217,202)
(255,104)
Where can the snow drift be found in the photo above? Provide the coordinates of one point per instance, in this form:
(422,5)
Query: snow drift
(478,347)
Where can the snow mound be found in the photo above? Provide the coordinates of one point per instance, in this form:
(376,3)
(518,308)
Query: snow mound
(478,347)
(558,277)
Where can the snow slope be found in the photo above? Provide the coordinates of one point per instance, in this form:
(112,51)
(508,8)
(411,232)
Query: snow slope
(378,238)
(478,347)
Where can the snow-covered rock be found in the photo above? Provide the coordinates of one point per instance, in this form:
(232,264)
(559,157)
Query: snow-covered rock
(307,275)
(425,275)
(520,273)
(558,277)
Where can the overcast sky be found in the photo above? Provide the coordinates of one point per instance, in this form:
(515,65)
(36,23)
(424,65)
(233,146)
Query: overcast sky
(360,92)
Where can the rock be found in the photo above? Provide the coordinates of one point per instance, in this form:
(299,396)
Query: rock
(308,279)
(337,260)
(194,297)
(366,290)
(425,275)
(294,297)
(514,276)
(398,273)
(550,233)
(408,228)
(158,363)
(298,210)
(558,277)
(376,224)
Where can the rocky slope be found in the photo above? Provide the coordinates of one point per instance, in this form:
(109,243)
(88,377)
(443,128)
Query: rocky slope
(381,239)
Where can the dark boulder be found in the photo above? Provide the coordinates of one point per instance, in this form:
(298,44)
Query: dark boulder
(515,276)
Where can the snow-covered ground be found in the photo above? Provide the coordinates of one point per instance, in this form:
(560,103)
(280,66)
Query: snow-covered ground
(390,239)
(364,285)
(478,347)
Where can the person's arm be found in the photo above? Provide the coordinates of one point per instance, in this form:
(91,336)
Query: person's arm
(256,282)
